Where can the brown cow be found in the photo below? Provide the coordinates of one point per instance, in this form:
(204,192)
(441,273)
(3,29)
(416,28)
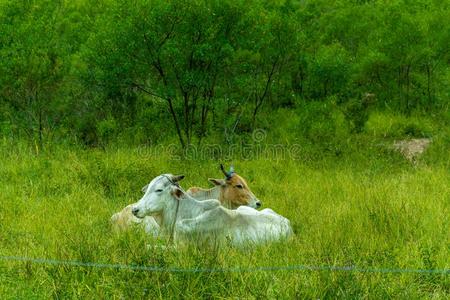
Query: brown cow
(232,192)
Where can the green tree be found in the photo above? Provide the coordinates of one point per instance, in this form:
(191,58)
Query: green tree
(31,65)
(175,51)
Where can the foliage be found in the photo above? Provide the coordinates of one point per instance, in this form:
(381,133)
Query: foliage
(396,126)
(304,97)
(199,70)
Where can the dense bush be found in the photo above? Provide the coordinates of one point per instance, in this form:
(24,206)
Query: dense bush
(397,126)
(194,70)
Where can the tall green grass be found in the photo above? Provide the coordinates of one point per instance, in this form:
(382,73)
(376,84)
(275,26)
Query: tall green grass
(369,209)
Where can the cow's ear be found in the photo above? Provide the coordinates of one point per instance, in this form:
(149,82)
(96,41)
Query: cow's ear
(177,193)
(217,182)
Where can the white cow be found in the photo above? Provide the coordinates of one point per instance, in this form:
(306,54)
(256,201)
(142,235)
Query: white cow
(190,218)
(232,192)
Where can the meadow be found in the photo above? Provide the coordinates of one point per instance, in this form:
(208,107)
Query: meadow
(369,208)
(305,98)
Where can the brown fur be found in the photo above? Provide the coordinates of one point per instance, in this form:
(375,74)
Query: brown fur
(234,192)
(227,191)
(122,220)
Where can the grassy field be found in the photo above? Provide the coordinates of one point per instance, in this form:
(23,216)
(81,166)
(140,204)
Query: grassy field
(371,210)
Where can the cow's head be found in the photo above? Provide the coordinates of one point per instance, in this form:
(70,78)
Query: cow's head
(157,194)
(235,191)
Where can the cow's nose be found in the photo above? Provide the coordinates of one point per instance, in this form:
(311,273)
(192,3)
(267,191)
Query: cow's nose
(258,204)
(135,211)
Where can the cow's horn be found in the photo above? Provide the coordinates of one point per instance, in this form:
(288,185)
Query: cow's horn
(223,171)
(228,174)
(176,178)
(231,170)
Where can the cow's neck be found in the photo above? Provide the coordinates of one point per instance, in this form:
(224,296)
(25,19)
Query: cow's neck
(205,194)
(226,203)
(188,208)
(216,192)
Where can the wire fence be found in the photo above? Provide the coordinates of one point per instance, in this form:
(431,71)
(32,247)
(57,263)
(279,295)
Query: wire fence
(221,270)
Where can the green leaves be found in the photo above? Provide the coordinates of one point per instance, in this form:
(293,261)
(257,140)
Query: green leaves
(78,62)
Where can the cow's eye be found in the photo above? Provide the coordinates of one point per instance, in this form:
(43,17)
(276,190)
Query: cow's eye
(239,186)
(159,190)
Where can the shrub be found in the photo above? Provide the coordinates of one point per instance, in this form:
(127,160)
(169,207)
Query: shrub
(106,130)
(321,122)
(399,126)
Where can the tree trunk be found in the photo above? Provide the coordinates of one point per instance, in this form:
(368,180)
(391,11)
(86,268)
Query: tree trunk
(177,124)
(408,104)
(428,85)
(39,120)
(260,99)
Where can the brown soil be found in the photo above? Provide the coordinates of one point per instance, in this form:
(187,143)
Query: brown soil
(412,149)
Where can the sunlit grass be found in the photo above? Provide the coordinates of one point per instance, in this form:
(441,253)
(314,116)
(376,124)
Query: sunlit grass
(58,204)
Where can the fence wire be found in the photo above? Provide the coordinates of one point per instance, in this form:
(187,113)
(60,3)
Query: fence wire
(73,263)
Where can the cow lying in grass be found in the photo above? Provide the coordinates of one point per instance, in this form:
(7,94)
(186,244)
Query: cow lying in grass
(125,219)
(232,192)
(186,217)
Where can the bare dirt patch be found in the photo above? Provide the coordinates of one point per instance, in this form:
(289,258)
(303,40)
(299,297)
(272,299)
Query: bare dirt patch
(412,149)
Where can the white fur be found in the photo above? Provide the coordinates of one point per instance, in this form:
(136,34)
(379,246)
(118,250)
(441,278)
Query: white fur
(124,219)
(242,226)
(208,219)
